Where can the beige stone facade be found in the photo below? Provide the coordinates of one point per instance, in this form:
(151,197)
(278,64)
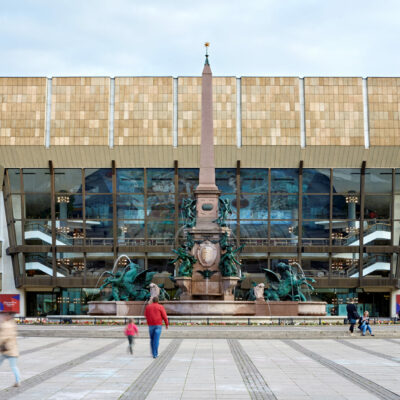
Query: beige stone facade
(384,111)
(143,111)
(79,111)
(270,111)
(334,111)
(22,111)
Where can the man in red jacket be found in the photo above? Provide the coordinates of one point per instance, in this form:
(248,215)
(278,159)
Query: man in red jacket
(154,314)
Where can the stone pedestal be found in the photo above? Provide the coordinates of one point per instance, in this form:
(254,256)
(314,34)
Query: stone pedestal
(228,283)
(185,284)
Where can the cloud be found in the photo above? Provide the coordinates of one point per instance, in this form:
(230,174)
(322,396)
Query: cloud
(158,37)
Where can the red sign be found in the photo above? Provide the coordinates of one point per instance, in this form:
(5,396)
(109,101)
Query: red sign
(9,303)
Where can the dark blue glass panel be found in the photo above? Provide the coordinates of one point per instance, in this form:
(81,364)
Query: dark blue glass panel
(253,229)
(284,229)
(346,207)
(284,206)
(130,180)
(69,206)
(253,206)
(378,180)
(254,180)
(377,207)
(226,180)
(346,180)
(160,180)
(36,180)
(285,180)
(161,206)
(15,180)
(130,206)
(316,206)
(316,180)
(99,206)
(130,229)
(160,229)
(68,180)
(99,232)
(316,229)
(188,180)
(37,206)
(98,180)
(397,181)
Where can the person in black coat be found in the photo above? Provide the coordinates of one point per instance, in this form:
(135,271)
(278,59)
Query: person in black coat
(352,315)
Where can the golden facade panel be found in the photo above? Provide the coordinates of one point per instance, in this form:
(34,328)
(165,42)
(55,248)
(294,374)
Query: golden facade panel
(384,111)
(270,111)
(334,111)
(143,111)
(79,111)
(189,110)
(22,111)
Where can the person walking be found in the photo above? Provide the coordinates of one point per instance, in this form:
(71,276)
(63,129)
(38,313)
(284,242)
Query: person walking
(364,326)
(155,314)
(130,331)
(352,315)
(8,344)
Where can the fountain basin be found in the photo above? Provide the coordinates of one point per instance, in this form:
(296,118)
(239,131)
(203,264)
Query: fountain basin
(212,307)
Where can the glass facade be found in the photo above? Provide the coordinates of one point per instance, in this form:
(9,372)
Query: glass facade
(96,213)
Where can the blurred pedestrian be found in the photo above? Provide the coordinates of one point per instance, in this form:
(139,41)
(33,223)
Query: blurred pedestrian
(8,344)
(352,315)
(155,314)
(130,331)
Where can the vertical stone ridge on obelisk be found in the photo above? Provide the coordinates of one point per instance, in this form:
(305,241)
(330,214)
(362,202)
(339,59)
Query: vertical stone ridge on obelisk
(207,162)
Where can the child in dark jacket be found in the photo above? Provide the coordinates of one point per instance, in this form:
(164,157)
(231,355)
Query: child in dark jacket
(130,331)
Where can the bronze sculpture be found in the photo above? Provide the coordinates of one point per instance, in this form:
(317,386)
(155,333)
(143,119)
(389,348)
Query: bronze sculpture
(228,263)
(189,212)
(186,261)
(224,210)
(287,286)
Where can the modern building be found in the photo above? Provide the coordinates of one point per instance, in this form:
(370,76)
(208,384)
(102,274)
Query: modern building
(96,167)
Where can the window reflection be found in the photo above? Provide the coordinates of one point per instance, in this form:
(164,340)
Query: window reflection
(188,180)
(285,180)
(254,180)
(160,180)
(36,180)
(98,180)
(130,180)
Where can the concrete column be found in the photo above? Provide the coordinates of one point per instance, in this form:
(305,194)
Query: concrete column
(302,114)
(6,267)
(366,112)
(175,120)
(48,112)
(111,114)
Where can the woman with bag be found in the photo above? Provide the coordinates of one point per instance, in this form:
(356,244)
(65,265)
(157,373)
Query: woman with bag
(352,315)
(8,344)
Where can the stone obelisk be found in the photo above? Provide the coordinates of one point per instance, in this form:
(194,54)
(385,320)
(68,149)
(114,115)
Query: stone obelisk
(207,192)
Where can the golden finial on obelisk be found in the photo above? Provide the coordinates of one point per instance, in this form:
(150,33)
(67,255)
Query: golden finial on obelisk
(207,45)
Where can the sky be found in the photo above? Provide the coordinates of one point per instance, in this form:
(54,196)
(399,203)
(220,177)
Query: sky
(166,37)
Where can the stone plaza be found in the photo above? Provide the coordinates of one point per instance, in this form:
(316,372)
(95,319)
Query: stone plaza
(307,362)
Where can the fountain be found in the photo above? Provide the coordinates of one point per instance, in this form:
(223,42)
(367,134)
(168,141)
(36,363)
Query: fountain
(206,264)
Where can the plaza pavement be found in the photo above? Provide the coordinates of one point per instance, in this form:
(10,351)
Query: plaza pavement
(99,368)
